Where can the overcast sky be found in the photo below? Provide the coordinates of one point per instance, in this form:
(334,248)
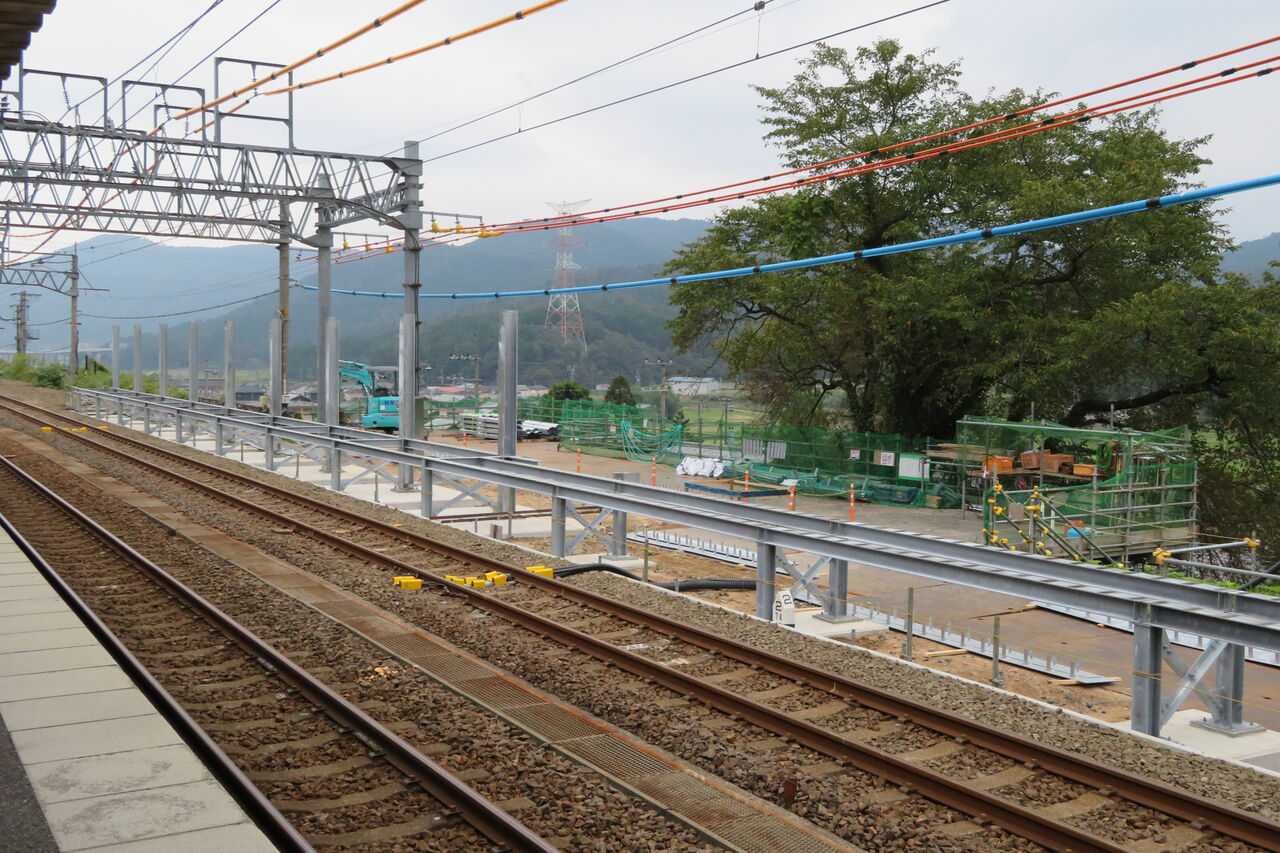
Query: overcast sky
(696,135)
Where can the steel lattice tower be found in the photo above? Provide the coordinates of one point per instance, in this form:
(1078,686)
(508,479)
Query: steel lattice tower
(563,311)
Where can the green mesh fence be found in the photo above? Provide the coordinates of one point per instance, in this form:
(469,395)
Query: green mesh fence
(1091,493)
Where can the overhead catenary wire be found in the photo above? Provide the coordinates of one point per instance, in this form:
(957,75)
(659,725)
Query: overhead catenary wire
(1083,114)
(972,236)
(273,292)
(692,79)
(588,75)
(942,134)
(418,51)
(311,57)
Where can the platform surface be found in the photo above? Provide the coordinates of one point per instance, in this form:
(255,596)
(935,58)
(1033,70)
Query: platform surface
(93,764)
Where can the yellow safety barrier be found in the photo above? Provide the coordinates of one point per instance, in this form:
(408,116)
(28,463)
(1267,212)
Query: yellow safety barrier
(411,583)
(496,578)
(540,570)
(461,581)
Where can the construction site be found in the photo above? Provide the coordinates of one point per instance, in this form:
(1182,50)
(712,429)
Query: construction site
(394,555)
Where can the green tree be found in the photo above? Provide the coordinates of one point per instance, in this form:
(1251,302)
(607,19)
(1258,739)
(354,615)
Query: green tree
(620,392)
(569,390)
(908,343)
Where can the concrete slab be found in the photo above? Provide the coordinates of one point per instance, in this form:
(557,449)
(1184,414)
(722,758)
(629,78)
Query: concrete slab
(808,622)
(28,593)
(1260,747)
(70,683)
(64,618)
(15,564)
(631,564)
(23,821)
(95,737)
(59,711)
(53,660)
(15,579)
(48,604)
(241,838)
(100,775)
(138,815)
(57,638)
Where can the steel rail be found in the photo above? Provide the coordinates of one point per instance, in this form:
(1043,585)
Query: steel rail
(484,816)
(275,826)
(1225,818)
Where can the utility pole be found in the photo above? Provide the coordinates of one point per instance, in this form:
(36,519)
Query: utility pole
(22,333)
(664,363)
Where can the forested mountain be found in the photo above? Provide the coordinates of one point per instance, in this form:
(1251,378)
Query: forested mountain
(622,328)
(1253,257)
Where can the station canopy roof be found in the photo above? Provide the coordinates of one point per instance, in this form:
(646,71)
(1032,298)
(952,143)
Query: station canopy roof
(18,20)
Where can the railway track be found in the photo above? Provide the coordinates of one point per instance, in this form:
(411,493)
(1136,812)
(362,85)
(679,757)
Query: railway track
(914,746)
(221,669)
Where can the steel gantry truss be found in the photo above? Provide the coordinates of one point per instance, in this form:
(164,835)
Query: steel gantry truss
(56,176)
(100,176)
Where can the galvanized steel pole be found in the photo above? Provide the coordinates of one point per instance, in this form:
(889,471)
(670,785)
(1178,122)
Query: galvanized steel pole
(411,220)
(324,308)
(331,399)
(193,362)
(282,307)
(508,368)
(137,358)
(275,384)
(115,356)
(229,364)
(163,365)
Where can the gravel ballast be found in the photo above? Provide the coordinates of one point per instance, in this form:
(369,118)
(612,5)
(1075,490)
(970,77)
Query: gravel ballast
(1250,790)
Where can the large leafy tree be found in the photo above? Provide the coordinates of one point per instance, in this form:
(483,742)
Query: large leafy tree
(908,343)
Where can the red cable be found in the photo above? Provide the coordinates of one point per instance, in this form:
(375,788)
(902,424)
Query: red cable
(1066,119)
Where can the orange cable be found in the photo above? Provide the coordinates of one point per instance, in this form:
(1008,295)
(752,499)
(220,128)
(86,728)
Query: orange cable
(350,37)
(444,42)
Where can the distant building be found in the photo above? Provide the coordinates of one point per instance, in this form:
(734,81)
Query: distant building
(694,386)
(249,392)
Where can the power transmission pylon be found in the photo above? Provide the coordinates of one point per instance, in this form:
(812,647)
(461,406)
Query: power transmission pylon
(563,311)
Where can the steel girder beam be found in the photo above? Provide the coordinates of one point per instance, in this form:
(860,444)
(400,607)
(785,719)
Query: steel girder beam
(201,188)
(49,279)
(1219,616)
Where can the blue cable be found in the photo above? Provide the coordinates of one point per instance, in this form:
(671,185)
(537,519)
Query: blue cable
(843,257)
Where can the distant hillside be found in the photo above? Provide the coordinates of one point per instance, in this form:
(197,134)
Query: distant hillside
(1253,257)
(622,329)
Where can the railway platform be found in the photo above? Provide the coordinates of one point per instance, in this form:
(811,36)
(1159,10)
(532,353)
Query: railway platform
(86,761)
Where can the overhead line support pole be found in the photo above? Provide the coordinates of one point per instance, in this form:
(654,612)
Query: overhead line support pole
(324,308)
(193,364)
(411,220)
(282,308)
(137,358)
(163,366)
(75,316)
